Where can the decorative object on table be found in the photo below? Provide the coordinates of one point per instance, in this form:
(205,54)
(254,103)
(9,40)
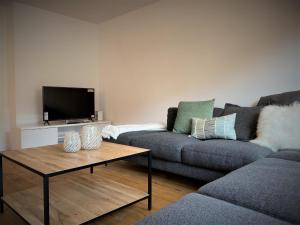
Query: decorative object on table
(187,110)
(72,142)
(279,127)
(90,137)
(219,127)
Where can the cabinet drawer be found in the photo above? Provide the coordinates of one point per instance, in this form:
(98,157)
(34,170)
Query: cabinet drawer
(38,137)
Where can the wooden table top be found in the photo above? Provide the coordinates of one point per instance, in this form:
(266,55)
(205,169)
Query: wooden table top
(53,159)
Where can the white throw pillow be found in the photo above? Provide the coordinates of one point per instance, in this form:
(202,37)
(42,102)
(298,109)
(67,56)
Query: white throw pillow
(279,127)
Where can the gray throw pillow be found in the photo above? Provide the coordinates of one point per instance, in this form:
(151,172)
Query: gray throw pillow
(246,120)
(218,112)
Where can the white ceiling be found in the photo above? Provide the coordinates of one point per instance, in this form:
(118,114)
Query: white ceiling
(95,11)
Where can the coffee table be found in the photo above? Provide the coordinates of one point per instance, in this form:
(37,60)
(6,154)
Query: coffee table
(76,200)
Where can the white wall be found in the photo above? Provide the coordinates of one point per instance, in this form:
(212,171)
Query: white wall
(233,50)
(51,49)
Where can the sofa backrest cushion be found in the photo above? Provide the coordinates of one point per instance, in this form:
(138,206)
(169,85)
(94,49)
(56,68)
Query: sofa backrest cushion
(171,117)
(172,113)
(288,154)
(285,98)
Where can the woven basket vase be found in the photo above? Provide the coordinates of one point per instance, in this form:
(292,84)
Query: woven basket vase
(72,142)
(90,137)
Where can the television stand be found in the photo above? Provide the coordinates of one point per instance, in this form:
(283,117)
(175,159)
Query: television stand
(41,135)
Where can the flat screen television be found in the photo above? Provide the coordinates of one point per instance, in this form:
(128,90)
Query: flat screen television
(68,103)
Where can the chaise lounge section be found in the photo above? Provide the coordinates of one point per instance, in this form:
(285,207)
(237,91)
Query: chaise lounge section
(263,192)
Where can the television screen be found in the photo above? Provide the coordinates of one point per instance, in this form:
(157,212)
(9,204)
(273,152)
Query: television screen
(64,103)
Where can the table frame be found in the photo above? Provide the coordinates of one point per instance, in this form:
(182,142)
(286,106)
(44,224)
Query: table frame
(46,178)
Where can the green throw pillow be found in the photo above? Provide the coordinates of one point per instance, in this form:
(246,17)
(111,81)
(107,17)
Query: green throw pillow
(188,110)
(219,127)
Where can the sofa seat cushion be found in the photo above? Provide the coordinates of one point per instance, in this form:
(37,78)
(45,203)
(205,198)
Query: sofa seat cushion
(226,155)
(288,154)
(126,138)
(164,145)
(269,185)
(196,209)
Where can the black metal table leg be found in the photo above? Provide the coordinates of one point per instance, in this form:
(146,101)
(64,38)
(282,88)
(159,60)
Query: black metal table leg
(46,200)
(1,185)
(149,181)
(92,169)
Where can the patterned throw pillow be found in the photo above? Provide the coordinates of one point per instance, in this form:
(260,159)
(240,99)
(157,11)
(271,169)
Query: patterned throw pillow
(219,127)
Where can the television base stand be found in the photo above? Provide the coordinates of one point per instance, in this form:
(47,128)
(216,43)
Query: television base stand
(46,122)
(77,121)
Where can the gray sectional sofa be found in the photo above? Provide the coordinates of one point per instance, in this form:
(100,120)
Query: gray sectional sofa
(203,160)
(250,184)
(264,192)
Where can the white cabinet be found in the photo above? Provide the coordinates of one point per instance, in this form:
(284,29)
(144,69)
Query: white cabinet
(35,136)
(39,137)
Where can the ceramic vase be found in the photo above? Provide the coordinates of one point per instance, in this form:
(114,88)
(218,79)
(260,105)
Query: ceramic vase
(72,142)
(90,137)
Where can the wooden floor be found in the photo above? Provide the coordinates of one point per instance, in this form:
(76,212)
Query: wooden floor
(167,188)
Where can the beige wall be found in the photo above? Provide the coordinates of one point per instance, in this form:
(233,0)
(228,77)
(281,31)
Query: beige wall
(234,51)
(5,74)
(149,59)
(51,49)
